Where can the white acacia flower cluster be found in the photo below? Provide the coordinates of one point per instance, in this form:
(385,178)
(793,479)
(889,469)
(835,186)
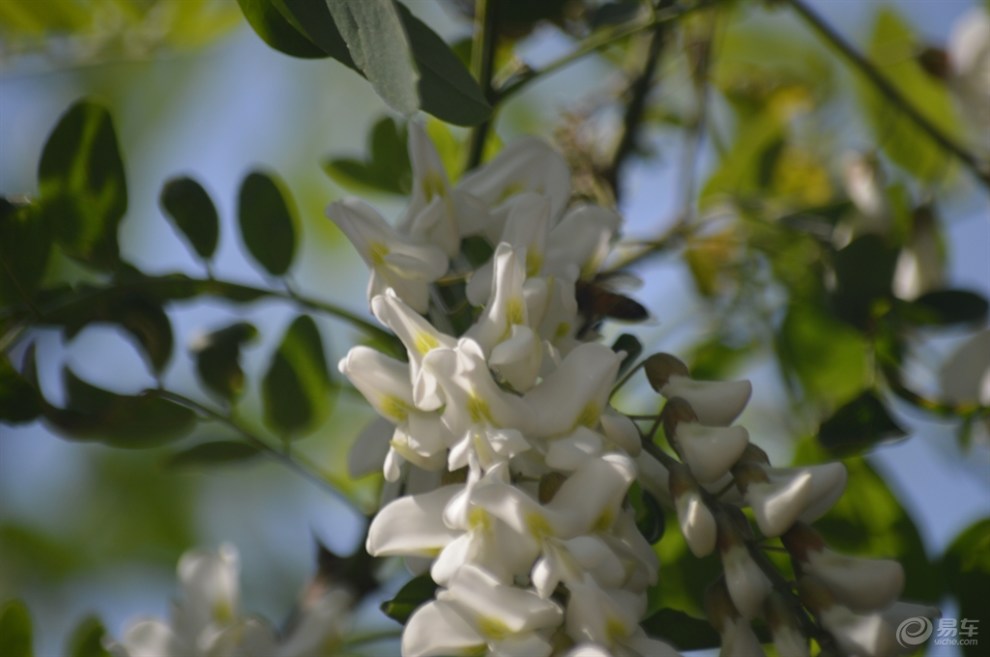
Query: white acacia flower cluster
(520,466)
(206,620)
(508,469)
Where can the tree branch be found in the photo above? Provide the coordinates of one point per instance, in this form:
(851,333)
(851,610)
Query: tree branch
(638,91)
(887,89)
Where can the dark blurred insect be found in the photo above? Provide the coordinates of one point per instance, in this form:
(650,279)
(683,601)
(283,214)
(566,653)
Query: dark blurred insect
(597,300)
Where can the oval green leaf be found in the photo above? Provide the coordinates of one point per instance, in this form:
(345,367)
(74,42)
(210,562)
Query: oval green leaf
(221,452)
(268,23)
(268,222)
(377,42)
(193,214)
(16,635)
(858,426)
(87,639)
(25,242)
(415,592)
(82,184)
(297,390)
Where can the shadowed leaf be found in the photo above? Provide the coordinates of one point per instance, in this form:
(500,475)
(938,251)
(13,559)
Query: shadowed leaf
(297,388)
(25,243)
(19,400)
(87,639)
(275,30)
(16,635)
(415,592)
(219,452)
(192,212)
(858,426)
(952,307)
(268,222)
(82,184)
(684,631)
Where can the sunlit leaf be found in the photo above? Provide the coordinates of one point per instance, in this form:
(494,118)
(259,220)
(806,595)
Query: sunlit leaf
(221,452)
(268,222)
(82,184)
(415,592)
(145,420)
(296,389)
(275,30)
(87,639)
(892,48)
(16,634)
(386,167)
(858,426)
(25,242)
(828,357)
(379,47)
(192,213)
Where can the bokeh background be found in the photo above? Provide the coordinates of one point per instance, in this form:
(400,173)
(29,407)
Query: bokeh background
(89,529)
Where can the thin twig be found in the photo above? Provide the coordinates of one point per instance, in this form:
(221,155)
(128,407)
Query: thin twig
(217,287)
(594,43)
(638,92)
(306,470)
(483,67)
(886,88)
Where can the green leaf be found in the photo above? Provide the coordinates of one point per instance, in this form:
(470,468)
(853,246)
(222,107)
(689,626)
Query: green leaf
(864,272)
(221,452)
(297,388)
(140,315)
(446,89)
(685,631)
(649,514)
(25,242)
(312,18)
(966,570)
(268,222)
(385,169)
(952,307)
(19,400)
(858,426)
(94,414)
(218,359)
(193,214)
(15,630)
(893,48)
(827,357)
(87,639)
(82,184)
(417,591)
(379,47)
(275,30)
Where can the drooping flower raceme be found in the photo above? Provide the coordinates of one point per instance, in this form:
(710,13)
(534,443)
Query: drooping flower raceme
(524,519)
(206,619)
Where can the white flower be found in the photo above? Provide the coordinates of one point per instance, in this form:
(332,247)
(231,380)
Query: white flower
(710,451)
(396,261)
(478,612)
(694,517)
(969,56)
(860,584)
(413,525)
(965,375)
(715,403)
(610,618)
(782,496)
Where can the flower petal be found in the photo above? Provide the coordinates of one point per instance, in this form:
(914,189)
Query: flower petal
(412,525)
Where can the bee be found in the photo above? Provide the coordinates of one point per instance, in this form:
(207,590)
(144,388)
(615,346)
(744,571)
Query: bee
(597,300)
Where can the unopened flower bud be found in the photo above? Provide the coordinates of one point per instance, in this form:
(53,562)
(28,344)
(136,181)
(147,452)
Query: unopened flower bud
(748,585)
(709,451)
(787,635)
(695,518)
(738,638)
(789,494)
